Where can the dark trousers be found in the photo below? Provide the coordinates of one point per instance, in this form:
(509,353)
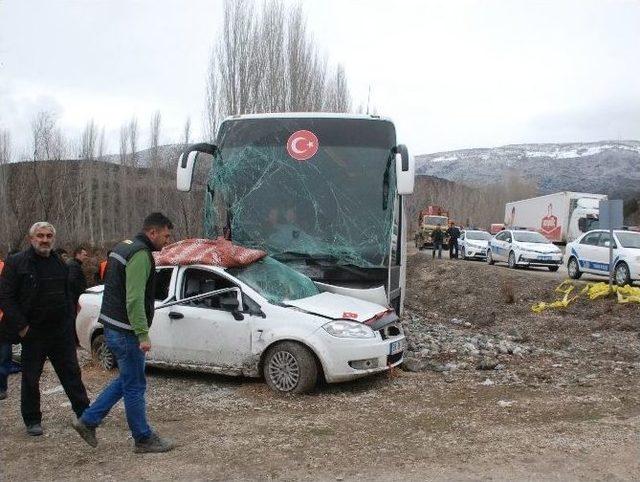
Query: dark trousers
(5,365)
(453,248)
(59,347)
(437,245)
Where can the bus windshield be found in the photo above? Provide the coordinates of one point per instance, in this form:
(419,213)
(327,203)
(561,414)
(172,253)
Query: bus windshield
(336,205)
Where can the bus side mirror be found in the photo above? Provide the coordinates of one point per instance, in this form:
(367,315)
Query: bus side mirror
(187,162)
(405,170)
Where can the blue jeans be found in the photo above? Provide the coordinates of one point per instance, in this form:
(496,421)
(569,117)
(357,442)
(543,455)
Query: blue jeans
(130,384)
(5,365)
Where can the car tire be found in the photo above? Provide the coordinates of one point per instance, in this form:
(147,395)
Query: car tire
(621,274)
(290,368)
(490,258)
(512,260)
(553,269)
(573,268)
(101,353)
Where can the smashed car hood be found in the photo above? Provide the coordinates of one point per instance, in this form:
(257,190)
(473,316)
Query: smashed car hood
(336,306)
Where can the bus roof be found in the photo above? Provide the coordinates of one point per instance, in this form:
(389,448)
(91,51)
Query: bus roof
(308,115)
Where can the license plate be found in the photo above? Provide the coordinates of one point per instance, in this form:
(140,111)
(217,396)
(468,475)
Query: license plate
(544,258)
(397,346)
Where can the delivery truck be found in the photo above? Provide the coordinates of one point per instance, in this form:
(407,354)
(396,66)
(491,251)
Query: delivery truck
(561,217)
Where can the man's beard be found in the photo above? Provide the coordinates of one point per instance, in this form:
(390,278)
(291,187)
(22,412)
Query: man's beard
(43,251)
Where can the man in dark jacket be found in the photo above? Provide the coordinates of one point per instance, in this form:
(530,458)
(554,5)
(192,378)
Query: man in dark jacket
(38,312)
(437,237)
(454,234)
(126,313)
(77,279)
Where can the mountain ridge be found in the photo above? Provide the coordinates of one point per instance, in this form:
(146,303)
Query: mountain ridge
(608,167)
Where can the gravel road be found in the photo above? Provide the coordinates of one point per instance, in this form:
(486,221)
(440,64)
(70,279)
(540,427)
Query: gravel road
(560,403)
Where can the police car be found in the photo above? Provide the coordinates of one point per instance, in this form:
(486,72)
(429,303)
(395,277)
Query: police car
(590,254)
(524,248)
(473,244)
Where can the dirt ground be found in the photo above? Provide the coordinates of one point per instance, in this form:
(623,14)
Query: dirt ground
(565,408)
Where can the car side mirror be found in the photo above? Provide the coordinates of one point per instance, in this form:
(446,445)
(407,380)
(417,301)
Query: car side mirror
(607,244)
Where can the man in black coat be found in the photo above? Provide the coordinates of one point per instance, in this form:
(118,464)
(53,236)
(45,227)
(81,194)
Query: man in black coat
(39,313)
(454,234)
(77,279)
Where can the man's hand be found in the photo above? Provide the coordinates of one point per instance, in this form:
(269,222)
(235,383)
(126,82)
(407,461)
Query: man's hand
(23,332)
(145,346)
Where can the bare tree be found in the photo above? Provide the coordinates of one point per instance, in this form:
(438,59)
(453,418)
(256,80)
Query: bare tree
(5,158)
(154,136)
(266,61)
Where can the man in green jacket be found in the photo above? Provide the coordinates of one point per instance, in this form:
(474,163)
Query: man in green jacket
(127,313)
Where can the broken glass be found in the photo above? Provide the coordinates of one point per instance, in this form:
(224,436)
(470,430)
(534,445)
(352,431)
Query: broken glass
(336,206)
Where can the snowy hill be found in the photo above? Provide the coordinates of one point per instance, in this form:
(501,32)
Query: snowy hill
(610,167)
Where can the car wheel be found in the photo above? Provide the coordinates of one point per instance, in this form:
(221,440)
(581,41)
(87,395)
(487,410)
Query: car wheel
(573,268)
(512,260)
(622,275)
(490,258)
(101,353)
(290,367)
(553,269)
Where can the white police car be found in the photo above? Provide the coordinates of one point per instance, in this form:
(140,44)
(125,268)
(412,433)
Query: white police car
(590,254)
(473,243)
(524,248)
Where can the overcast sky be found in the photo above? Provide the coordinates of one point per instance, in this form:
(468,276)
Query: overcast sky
(451,74)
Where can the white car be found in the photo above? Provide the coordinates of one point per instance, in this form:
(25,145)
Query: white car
(264,319)
(473,243)
(524,248)
(590,254)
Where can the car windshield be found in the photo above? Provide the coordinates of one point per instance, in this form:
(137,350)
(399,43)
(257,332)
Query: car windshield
(629,240)
(478,235)
(275,281)
(530,237)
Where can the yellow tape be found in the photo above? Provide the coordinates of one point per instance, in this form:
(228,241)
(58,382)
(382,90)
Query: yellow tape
(593,291)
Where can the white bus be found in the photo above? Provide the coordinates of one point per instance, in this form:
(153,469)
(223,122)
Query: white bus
(322,193)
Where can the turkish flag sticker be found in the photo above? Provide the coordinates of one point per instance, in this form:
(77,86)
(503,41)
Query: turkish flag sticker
(302,145)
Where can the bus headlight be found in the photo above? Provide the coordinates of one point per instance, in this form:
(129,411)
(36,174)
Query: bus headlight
(348,329)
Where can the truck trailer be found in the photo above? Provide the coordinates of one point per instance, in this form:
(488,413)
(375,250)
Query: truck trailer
(561,217)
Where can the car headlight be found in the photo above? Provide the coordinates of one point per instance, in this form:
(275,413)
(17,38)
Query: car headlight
(348,329)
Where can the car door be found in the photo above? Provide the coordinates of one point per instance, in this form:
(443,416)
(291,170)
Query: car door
(496,244)
(601,252)
(461,241)
(586,252)
(502,244)
(201,332)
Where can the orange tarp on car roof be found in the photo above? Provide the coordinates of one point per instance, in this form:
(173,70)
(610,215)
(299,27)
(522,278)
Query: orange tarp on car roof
(216,252)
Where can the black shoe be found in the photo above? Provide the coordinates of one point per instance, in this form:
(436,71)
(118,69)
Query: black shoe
(154,444)
(87,433)
(3,395)
(35,429)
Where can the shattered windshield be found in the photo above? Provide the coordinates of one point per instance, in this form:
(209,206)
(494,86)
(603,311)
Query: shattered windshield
(311,188)
(275,281)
